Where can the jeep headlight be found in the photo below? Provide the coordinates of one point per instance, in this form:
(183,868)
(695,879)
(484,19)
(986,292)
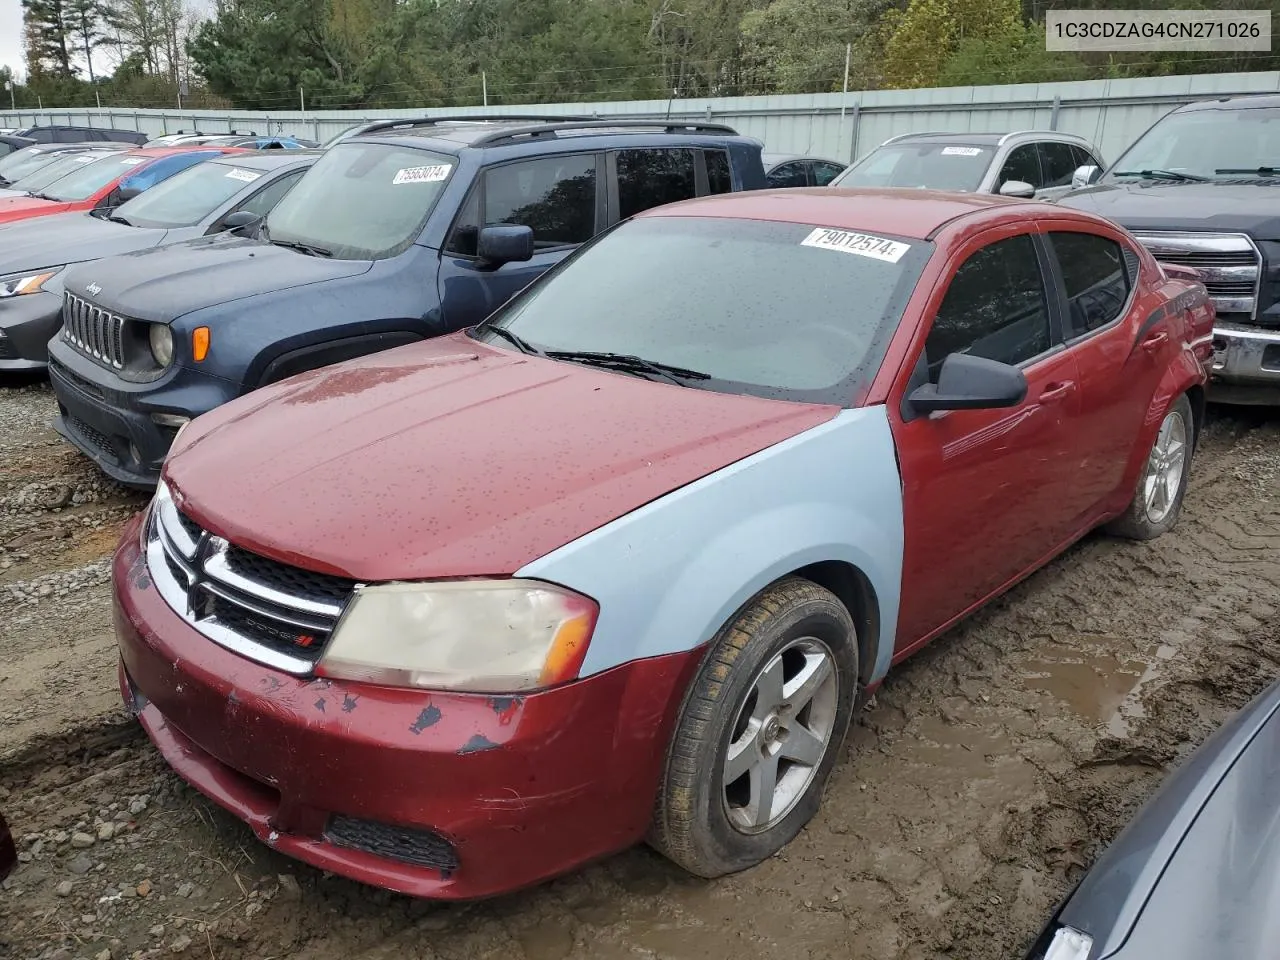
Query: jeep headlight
(483,636)
(17,284)
(161,338)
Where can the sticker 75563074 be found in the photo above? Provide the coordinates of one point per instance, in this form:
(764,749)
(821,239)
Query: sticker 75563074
(862,244)
(433,174)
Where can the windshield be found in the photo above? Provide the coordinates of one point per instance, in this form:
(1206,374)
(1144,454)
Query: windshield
(361,201)
(26,161)
(187,197)
(780,310)
(83,183)
(50,172)
(932,166)
(1203,142)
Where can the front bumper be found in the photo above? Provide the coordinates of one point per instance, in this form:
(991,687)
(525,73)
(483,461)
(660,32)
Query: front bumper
(111,421)
(27,323)
(502,792)
(1246,365)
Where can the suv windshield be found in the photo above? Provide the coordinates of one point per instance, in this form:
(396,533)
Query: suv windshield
(51,172)
(361,200)
(83,183)
(780,310)
(188,196)
(933,166)
(26,161)
(1202,142)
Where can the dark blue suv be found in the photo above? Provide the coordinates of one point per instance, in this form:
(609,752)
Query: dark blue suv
(408,230)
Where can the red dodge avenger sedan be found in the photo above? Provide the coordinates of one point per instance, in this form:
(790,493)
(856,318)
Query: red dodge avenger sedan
(619,563)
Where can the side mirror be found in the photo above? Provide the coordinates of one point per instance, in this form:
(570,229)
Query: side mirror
(1017,188)
(505,244)
(240,221)
(1084,176)
(971,383)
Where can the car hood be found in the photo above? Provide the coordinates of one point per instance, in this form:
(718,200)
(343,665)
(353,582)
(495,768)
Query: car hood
(1197,872)
(1253,208)
(451,458)
(19,208)
(165,283)
(68,238)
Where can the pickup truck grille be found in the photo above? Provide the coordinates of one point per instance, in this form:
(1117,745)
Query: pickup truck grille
(93,331)
(1229,265)
(264,610)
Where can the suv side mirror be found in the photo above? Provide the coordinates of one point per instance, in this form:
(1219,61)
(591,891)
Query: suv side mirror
(240,221)
(971,383)
(1017,188)
(1084,176)
(509,243)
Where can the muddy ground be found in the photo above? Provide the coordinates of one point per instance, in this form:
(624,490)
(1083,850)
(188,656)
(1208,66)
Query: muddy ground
(984,777)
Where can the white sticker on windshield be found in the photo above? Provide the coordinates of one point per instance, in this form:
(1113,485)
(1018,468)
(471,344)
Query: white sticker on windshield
(131,161)
(961,151)
(82,159)
(864,245)
(248,176)
(433,174)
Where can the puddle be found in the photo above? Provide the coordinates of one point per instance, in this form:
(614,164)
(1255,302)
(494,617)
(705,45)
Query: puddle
(1098,686)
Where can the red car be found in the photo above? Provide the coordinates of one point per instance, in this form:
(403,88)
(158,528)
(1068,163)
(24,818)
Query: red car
(619,562)
(107,181)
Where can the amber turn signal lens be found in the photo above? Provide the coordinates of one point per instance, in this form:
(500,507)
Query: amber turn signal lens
(200,343)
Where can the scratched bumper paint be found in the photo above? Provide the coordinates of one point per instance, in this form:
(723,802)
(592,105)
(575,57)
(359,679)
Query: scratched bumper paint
(524,787)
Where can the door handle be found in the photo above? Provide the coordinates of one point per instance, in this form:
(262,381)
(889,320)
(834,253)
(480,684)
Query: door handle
(1155,342)
(1057,391)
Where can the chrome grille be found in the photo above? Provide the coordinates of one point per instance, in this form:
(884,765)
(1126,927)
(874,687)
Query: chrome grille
(1229,265)
(94,331)
(267,611)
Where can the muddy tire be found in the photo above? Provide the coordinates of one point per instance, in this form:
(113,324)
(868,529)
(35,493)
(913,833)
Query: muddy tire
(758,732)
(1157,501)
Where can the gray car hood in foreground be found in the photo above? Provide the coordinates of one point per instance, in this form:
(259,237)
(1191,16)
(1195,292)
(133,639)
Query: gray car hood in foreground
(1196,875)
(70,238)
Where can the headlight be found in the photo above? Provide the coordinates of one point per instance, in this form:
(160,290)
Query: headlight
(161,344)
(490,636)
(1069,944)
(18,284)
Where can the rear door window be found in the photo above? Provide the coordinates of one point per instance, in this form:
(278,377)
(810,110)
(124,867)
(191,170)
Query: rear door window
(719,177)
(791,174)
(824,173)
(651,178)
(1095,277)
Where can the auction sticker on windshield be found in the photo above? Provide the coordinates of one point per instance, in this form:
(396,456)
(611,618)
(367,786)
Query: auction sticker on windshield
(961,151)
(862,244)
(433,174)
(248,176)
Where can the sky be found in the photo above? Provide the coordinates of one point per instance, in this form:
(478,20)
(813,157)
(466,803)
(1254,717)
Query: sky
(11,35)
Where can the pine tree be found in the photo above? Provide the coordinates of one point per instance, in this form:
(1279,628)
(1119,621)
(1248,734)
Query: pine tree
(84,24)
(45,23)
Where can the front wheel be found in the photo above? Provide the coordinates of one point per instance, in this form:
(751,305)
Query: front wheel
(759,731)
(1162,485)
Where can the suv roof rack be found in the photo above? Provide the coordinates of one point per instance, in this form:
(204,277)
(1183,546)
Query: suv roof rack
(1039,133)
(565,124)
(409,122)
(914,133)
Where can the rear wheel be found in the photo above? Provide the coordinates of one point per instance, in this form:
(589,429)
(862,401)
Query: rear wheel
(1162,485)
(759,731)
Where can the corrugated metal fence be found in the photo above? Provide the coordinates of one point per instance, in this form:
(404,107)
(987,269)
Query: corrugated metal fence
(1111,113)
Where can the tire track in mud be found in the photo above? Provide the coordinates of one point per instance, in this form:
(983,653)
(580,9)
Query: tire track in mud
(982,779)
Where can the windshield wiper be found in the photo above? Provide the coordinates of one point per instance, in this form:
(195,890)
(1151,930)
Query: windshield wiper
(628,364)
(1173,175)
(1257,171)
(307,248)
(116,218)
(520,343)
(43,196)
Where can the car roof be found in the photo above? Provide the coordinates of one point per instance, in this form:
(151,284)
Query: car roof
(983,139)
(266,160)
(184,148)
(903,212)
(1249,102)
(773,159)
(455,133)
